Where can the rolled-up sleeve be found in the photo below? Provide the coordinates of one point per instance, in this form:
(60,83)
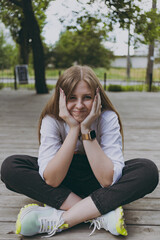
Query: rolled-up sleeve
(50,142)
(111,141)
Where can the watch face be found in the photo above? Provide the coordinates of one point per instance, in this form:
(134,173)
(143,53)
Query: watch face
(93,134)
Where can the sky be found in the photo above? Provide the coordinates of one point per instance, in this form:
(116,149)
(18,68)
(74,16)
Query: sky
(54,27)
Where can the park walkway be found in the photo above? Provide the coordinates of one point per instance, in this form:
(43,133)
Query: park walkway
(140,113)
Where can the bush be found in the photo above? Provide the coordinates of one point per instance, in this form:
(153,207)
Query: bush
(114,88)
(155,88)
(131,88)
(1,85)
(138,88)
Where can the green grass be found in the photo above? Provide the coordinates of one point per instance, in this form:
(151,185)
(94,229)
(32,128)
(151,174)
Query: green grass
(110,88)
(137,74)
(23,86)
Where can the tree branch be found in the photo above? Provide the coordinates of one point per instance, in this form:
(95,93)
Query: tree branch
(17,3)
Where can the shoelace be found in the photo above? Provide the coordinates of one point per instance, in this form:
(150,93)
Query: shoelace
(49,226)
(97,225)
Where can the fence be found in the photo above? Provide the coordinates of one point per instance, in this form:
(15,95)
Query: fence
(113,75)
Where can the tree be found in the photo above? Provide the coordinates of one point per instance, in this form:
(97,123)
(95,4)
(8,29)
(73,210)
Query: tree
(111,11)
(148,25)
(83,44)
(8,53)
(37,47)
(12,17)
(19,16)
(128,13)
(149,71)
(123,12)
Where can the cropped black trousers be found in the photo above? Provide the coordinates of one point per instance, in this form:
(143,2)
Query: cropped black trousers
(139,177)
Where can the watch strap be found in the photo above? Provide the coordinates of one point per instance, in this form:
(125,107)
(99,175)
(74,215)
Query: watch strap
(91,135)
(86,136)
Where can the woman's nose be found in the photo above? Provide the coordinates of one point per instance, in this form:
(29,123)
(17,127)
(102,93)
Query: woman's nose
(79,104)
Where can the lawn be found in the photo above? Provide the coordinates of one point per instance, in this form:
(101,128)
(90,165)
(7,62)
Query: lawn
(136,74)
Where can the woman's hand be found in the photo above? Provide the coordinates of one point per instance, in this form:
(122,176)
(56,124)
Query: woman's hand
(64,113)
(94,113)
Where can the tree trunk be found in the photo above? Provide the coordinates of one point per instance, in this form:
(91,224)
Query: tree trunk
(23,43)
(128,55)
(37,47)
(149,71)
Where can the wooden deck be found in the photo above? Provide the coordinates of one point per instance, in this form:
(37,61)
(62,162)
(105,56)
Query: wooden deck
(140,113)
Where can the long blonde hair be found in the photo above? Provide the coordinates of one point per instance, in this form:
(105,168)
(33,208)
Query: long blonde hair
(68,81)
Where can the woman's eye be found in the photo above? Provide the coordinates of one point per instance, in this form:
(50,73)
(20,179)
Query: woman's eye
(71,98)
(88,97)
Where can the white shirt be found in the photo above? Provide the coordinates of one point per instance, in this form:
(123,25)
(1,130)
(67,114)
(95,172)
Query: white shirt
(53,133)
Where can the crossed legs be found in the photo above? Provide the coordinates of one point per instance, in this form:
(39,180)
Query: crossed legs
(140,177)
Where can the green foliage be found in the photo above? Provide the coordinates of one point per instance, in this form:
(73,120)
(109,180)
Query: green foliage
(148,24)
(12,15)
(29,25)
(1,85)
(123,12)
(155,88)
(128,88)
(109,11)
(39,7)
(83,44)
(8,53)
(114,88)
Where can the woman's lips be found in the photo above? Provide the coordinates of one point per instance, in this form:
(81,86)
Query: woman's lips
(78,112)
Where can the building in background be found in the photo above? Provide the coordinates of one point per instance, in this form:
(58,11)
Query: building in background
(139,59)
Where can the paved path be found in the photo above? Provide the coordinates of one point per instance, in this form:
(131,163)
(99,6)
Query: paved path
(140,113)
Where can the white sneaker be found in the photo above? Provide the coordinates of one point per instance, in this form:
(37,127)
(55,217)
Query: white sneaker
(112,222)
(33,219)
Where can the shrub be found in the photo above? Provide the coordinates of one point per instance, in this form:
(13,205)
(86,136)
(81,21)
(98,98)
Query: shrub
(114,88)
(1,85)
(127,88)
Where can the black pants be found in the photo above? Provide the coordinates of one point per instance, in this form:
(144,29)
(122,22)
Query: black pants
(140,177)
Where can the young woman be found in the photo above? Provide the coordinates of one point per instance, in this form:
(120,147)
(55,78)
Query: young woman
(80,174)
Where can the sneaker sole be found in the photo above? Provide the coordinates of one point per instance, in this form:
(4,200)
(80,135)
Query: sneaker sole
(22,212)
(120,225)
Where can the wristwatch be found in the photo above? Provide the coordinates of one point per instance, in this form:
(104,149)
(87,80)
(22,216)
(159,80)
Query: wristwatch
(91,135)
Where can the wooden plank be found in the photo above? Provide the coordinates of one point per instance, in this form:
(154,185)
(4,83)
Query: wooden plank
(8,214)
(155,193)
(142,139)
(142,217)
(143,232)
(82,231)
(150,204)
(150,154)
(134,217)
(7,230)
(17,201)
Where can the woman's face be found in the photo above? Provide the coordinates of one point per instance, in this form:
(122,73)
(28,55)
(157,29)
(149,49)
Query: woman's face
(80,102)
